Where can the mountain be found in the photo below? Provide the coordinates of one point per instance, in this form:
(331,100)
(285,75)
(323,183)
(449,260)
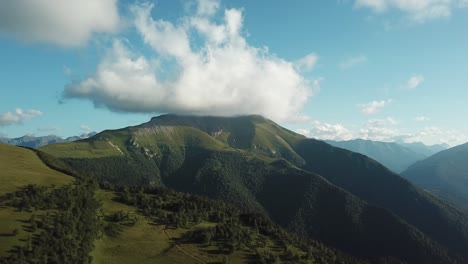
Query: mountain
(339,197)
(444,174)
(394,156)
(424,149)
(37,142)
(49,217)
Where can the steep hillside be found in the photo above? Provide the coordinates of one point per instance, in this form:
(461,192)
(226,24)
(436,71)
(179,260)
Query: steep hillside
(20,167)
(82,222)
(377,185)
(394,156)
(444,174)
(336,196)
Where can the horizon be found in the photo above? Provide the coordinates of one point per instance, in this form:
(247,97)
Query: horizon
(334,70)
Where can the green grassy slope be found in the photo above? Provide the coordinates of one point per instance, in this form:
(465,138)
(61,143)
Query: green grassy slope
(170,232)
(256,164)
(144,235)
(20,167)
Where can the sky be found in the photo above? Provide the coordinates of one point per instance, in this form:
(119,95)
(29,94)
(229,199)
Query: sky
(386,70)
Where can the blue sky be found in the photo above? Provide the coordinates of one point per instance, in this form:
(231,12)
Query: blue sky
(376,69)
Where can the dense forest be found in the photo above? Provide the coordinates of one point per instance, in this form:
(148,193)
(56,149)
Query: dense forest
(65,233)
(66,221)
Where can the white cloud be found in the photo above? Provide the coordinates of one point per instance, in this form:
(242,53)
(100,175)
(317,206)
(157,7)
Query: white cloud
(353,62)
(414,81)
(382,122)
(435,135)
(385,130)
(306,63)
(326,131)
(416,10)
(373,107)
(207,7)
(224,76)
(422,118)
(374,129)
(65,23)
(379,129)
(18,116)
(85,128)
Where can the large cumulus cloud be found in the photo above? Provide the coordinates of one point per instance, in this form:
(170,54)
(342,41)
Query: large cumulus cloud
(200,65)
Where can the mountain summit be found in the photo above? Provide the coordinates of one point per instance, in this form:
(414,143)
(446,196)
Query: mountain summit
(339,197)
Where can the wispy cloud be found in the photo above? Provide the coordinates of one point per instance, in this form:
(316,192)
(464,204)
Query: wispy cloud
(49,128)
(422,118)
(416,10)
(18,116)
(374,106)
(326,131)
(85,128)
(224,76)
(64,23)
(353,62)
(306,63)
(414,81)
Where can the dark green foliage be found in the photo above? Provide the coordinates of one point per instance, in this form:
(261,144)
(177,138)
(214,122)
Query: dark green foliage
(373,183)
(322,192)
(66,236)
(234,229)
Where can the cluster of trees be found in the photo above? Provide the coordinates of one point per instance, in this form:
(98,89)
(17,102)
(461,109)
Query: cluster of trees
(231,228)
(64,234)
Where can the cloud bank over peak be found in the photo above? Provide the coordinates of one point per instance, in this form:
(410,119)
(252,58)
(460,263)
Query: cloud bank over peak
(223,76)
(67,23)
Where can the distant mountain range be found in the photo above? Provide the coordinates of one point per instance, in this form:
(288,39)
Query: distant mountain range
(444,174)
(341,198)
(37,142)
(395,156)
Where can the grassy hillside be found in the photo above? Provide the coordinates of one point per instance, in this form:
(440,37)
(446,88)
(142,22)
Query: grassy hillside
(257,165)
(444,174)
(21,167)
(75,221)
(173,227)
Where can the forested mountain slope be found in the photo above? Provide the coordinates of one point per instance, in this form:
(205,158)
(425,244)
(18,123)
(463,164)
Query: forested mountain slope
(339,197)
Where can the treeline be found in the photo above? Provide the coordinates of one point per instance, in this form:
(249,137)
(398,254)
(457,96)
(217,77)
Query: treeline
(232,229)
(65,233)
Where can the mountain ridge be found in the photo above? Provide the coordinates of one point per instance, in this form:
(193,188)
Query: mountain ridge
(397,156)
(252,161)
(37,142)
(444,174)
